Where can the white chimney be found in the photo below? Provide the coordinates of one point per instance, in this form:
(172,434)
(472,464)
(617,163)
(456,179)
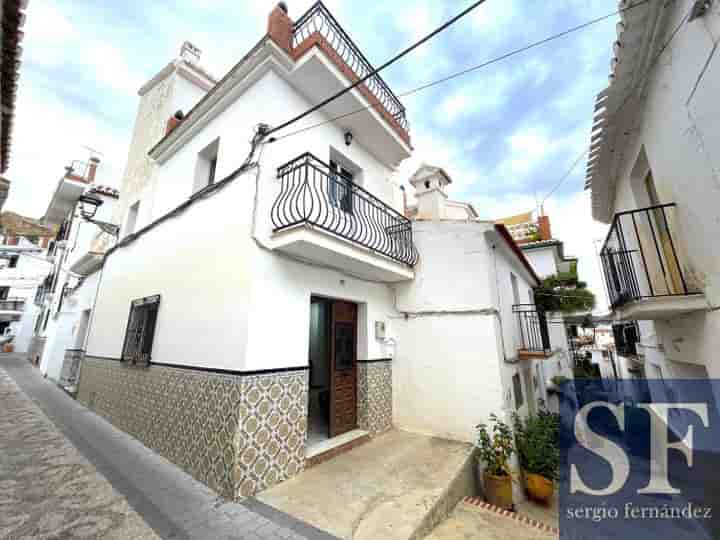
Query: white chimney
(190,53)
(429,183)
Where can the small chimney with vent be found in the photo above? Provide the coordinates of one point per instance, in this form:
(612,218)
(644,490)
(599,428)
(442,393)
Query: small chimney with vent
(430,183)
(280,27)
(190,53)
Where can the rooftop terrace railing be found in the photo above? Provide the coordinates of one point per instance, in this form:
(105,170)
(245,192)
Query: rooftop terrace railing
(318,19)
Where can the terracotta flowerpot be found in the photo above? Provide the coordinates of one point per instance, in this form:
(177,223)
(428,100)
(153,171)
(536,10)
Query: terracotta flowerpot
(538,487)
(8,347)
(498,490)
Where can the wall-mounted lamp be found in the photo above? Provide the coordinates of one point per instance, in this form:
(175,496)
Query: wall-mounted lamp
(88,208)
(348,138)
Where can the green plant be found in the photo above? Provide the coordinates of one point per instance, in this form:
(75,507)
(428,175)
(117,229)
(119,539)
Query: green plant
(565,293)
(496,446)
(537,439)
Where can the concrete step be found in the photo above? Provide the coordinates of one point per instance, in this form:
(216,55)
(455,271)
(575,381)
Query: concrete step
(398,486)
(476,520)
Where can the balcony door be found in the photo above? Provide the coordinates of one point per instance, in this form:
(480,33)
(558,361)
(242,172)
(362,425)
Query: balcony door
(666,270)
(343,368)
(340,187)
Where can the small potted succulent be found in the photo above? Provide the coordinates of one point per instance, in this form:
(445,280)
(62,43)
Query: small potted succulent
(538,447)
(495,445)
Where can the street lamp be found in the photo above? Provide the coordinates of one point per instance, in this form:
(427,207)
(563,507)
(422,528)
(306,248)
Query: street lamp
(89,206)
(88,209)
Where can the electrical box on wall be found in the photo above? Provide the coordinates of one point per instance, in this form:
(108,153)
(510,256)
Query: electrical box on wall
(379,329)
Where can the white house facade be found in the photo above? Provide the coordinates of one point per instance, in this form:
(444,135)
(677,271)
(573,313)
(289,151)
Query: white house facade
(23,268)
(653,171)
(75,254)
(274,295)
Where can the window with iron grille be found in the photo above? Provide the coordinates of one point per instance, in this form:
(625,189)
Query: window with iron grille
(140,332)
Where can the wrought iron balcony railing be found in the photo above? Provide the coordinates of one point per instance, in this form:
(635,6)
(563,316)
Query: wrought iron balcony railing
(12,304)
(319,20)
(312,193)
(640,258)
(533,328)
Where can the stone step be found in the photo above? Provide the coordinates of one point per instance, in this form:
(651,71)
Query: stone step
(398,486)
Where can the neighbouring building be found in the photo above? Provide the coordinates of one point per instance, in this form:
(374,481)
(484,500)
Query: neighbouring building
(654,172)
(12,17)
(23,268)
(67,295)
(546,255)
(15,228)
(272,296)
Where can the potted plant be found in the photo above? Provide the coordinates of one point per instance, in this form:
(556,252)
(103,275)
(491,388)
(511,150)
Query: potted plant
(554,385)
(495,445)
(537,442)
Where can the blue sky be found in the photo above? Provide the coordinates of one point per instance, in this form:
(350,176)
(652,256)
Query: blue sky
(506,133)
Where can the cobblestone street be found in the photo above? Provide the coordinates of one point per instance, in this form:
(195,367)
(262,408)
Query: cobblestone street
(49,490)
(67,473)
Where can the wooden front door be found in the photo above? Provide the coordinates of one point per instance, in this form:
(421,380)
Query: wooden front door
(343,368)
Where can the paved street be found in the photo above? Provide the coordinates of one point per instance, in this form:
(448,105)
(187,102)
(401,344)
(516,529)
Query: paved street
(67,473)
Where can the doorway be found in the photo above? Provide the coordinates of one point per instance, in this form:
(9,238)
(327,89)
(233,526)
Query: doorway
(332,400)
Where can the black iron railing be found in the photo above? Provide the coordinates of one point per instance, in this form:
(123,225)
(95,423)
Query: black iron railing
(12,304)
(319,20)
(533,328)
(311,192)
(640,257)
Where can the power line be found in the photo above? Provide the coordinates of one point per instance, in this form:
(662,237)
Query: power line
(624,102)
(378,70)
(457,74)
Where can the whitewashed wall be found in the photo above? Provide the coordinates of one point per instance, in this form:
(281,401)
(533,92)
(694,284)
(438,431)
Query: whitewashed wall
(199,262)
(235,126)
(447,375)
(678,137)
(543,260)
(455,356)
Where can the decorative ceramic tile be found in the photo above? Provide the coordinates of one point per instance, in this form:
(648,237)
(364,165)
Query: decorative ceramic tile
(35,349)
(71,367)
(375,396)
(236,434)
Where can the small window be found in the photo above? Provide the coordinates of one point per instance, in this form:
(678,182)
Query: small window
(132,216)
(517,390)
(206,167)
(141,330)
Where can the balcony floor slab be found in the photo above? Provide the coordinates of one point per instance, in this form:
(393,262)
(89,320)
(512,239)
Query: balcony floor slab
(661,307)
(317,246)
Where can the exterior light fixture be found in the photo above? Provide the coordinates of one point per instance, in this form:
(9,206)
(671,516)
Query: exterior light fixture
(88,208)
(348,138)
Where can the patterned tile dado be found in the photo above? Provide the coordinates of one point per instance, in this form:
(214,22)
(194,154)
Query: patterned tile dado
(375,396)
(270,440)
(35,350)
(235,434)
